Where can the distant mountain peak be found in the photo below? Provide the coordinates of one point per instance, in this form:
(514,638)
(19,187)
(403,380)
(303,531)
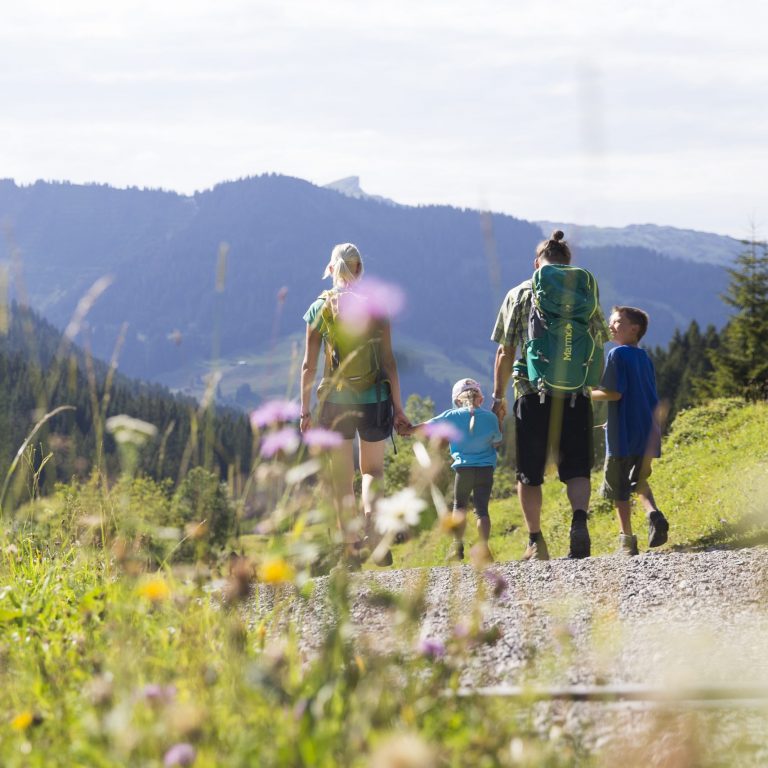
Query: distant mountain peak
(686,244)
(350,187)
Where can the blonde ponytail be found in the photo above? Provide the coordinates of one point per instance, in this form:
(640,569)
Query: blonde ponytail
(468,399)
(345,266)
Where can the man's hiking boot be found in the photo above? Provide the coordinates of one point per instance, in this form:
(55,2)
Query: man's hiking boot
(455,552)
(581,544)
(658,528)
(627,545)
(537,550)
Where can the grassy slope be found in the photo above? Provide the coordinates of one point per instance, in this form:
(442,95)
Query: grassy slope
(711,482)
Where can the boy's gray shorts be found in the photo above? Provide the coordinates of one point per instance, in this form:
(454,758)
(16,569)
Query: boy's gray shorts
(622,474)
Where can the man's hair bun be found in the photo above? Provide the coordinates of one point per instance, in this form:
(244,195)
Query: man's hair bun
(558,235)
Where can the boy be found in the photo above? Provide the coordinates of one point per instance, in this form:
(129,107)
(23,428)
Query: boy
(633,437)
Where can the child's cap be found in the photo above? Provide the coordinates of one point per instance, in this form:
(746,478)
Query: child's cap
(463,385)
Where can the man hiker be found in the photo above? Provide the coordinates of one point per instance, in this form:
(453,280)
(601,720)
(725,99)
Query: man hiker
(554,323)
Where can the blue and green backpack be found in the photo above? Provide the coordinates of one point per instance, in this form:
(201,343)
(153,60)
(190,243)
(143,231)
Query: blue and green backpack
(561,353)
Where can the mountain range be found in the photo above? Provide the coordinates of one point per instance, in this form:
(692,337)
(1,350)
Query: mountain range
(219,280)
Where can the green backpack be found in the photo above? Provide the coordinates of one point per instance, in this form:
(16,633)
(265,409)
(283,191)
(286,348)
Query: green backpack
(352,361)
(561,353)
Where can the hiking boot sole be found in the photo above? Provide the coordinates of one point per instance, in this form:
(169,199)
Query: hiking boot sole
(658,533)
(581,544)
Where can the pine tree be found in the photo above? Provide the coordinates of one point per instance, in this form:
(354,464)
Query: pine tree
(740,363)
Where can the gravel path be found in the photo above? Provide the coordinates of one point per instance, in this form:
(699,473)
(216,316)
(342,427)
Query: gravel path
(666,620)
(660,618)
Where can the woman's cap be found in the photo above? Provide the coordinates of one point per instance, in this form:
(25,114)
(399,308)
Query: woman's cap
(464,385)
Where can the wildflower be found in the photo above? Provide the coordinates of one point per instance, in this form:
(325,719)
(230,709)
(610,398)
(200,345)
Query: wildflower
(399,512)
(284,440)
(496,582)
(126,429)
(441,430)
(155,590)
(22,721)
(371,299)
(322,438)
(275,571)
(431,648)
(181,754)
(156,694)
(274,412)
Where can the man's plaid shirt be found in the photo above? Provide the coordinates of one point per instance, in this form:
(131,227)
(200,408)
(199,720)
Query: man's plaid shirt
(511,330)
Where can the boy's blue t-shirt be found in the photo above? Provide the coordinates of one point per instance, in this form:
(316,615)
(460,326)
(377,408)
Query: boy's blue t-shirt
(478,447)
(632,428)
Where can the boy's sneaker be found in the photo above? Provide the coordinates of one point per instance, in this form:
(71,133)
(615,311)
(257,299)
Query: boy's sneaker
(384,559)
(658,528)
(581,544)
(456,551)
(537,550)
(628,545)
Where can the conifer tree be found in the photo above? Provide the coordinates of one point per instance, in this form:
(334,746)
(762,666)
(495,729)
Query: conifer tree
(740,363)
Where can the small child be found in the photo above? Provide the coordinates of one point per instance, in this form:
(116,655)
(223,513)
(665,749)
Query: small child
(472,444)
(633,437)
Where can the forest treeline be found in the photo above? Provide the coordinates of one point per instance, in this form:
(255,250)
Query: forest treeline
(40,372)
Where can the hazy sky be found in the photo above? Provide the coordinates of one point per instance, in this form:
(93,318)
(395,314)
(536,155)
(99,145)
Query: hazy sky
(594,111)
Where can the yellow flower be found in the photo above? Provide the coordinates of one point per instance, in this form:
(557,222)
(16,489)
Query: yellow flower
(22,721)
(275,571)
(155,590)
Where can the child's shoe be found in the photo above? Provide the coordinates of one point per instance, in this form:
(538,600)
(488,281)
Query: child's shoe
(658,527)
(537,550)
(455,552)
(628,545)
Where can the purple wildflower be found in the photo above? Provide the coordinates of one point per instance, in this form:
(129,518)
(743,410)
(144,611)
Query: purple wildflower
(181,754)
(322,438)
(159,694)
(285,440)
(370,299)
(431,648)
(273,412)
(441,430)
(496,582)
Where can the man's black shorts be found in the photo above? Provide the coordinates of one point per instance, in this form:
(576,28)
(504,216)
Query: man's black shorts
(622,475)
(560,428)
(372,421)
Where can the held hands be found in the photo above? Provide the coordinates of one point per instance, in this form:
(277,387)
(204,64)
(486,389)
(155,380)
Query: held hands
(499,407)
(403,426)
(305,422)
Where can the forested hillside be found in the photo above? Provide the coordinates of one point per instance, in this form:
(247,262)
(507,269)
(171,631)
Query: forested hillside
(223,277)
(40,372)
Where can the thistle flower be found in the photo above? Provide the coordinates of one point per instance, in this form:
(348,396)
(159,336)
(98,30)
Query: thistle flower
(431,648)
(322,439)
(274,412)
(441,430)
(182,754)
(496,581)
(371,299)
(399,512)
(156,694)
(285,440)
